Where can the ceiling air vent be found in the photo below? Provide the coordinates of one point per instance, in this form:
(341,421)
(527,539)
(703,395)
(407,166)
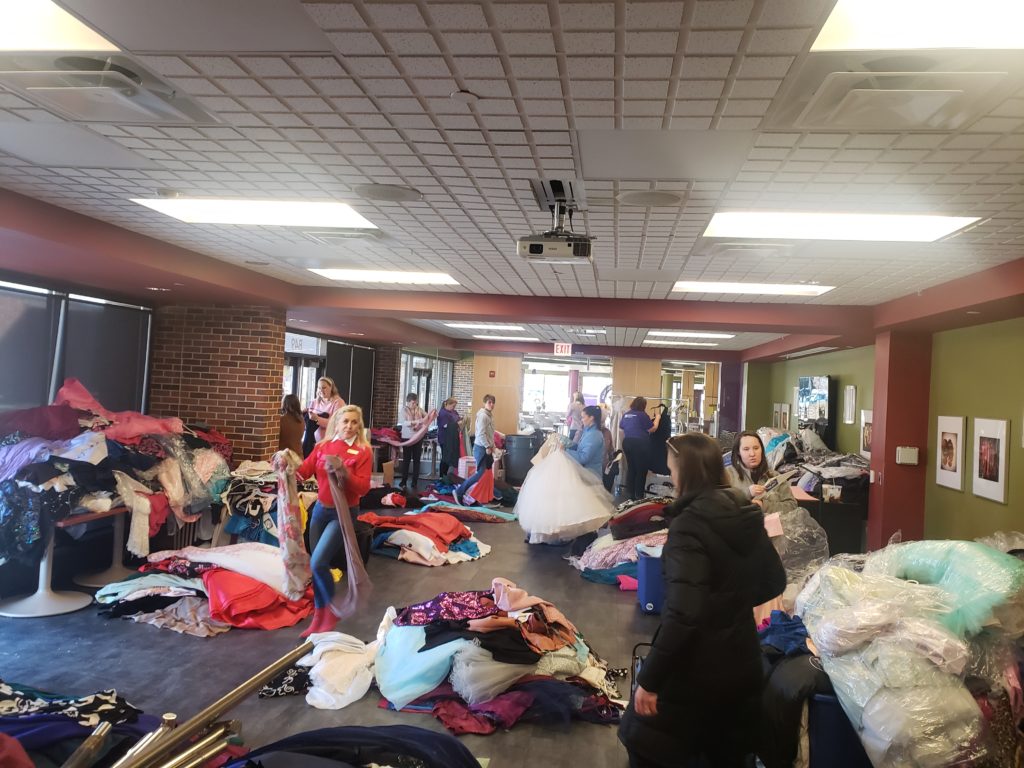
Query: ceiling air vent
(337,238)
(98,89)
(906,91)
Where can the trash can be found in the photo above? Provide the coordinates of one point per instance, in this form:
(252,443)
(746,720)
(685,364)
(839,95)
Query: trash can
(519,449)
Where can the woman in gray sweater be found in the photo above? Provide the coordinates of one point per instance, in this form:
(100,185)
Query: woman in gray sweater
(749,473)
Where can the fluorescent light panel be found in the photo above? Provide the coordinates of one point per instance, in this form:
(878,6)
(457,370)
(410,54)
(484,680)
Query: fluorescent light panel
(41,25)
(506,338)
(811,351)
(396,277)
(692,334)
(266,213)
(487,326)
(659,342)
(764,289)
(791,225)
(856,25)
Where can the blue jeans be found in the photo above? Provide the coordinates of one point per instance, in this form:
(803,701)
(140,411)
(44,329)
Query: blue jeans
(483,462)
(325,539)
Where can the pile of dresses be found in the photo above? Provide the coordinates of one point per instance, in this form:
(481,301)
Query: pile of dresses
(424,538)
(560,500)
(920,646)
(251,502)
(206,591)
(76,457)
(46,728)
(477,660)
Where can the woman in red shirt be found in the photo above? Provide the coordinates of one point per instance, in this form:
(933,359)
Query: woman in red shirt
(346,439)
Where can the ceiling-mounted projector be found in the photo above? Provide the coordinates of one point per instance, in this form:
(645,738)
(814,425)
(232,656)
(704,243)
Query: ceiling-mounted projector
(556,246)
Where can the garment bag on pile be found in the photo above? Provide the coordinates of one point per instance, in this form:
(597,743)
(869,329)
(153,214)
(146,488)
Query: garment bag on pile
(561,500)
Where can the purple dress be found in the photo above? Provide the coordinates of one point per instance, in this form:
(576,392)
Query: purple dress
(449,606)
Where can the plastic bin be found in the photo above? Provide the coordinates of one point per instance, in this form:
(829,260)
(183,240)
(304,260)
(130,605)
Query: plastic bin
(650,590)
(833,742)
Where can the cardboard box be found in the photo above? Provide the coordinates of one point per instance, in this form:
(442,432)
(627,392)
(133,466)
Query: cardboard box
(386,477)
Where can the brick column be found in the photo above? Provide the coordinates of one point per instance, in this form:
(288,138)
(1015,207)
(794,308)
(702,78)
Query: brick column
(387,363)
(222,365)
(462,383)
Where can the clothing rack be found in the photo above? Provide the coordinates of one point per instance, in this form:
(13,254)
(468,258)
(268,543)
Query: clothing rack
(200,738)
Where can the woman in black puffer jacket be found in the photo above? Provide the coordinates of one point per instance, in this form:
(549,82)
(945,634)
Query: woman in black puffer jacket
(699,689)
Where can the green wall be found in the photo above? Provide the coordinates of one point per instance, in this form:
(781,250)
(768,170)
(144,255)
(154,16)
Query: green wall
(976,373)
(769,383)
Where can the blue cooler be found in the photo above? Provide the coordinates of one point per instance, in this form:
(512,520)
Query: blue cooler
(650,591)
(833,742)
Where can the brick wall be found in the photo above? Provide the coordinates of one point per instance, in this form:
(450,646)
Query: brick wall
(387,364)
(462,388)
(222,365)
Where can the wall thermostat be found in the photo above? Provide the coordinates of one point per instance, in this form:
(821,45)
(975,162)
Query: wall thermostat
(906,454)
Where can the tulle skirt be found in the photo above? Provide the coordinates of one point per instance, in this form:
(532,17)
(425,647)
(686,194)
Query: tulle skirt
(560,500)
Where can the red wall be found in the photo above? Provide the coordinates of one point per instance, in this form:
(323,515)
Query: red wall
(900,414)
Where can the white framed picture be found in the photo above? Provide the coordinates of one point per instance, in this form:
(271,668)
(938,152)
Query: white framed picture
(784,417)
(990,453)
(776,415)
(866,433)
(949,452)
(850,404)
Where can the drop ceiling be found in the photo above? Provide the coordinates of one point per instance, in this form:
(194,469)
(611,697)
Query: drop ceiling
(357,93)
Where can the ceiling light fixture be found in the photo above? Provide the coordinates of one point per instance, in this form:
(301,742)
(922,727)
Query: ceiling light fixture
(692,334)
(155,288)
(856,25)
(765,289)
(506,338)
(811,351)
(42,25)
(395,276)
(790,225)
(660,342)
(264,213)
(486,326)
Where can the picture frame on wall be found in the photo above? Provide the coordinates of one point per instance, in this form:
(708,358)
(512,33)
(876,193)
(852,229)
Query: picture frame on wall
(866,433)
(784,417)
(776,415)
(949,452)
(991,449)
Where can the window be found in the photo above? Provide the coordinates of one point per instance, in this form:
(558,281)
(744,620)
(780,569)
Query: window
(431,378)
(54,335)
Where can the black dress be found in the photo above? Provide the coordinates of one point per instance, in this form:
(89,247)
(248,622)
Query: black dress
(705,663)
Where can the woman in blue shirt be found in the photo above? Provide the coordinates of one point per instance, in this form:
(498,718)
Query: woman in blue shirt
(589,450)
(636,427)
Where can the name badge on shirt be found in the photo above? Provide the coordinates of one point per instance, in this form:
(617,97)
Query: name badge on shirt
(352,451)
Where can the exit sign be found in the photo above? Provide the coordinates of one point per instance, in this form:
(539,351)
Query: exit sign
(563,349)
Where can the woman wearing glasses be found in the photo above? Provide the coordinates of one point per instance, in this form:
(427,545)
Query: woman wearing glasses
(698,692)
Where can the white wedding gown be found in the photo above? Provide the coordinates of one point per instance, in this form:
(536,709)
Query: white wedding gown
(560,500)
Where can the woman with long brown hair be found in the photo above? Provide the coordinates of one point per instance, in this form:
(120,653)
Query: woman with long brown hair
(698,692)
